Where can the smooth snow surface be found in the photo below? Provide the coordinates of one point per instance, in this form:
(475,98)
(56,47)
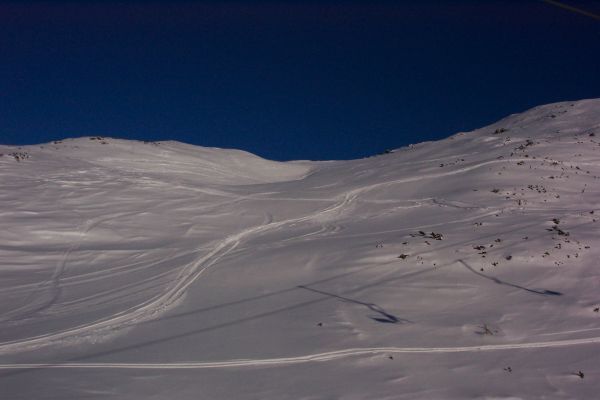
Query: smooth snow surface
(460,269)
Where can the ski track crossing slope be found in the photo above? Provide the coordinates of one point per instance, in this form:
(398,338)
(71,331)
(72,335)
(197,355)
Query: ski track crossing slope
(319,357)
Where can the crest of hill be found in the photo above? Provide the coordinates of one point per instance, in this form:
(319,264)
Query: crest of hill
(547,122)
(567,117)
(202,164)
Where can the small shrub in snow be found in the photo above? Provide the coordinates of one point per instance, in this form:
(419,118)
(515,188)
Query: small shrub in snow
(486,330)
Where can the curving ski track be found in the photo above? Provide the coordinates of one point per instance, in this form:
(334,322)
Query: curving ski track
(162,302)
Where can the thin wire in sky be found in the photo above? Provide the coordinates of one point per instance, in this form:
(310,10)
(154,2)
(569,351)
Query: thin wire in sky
(573,9)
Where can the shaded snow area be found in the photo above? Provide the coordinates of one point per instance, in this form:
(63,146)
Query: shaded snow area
(465,268)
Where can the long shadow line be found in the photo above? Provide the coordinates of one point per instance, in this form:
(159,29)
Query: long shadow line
(222,325)
(544,292)
(259,297)
(385,316)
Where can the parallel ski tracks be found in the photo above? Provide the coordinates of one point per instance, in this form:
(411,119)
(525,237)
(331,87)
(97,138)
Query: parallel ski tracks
(167,299)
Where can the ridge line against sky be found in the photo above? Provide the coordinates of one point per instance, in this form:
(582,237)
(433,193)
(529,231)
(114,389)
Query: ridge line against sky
(288,79)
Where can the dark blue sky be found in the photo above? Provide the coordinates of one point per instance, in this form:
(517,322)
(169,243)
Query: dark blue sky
(287,79)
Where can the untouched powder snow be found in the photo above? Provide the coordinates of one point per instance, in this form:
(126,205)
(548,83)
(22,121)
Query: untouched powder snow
(465,268)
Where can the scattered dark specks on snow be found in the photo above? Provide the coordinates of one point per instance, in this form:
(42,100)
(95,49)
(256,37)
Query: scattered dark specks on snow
(556,229)
(432,235)
(20,155)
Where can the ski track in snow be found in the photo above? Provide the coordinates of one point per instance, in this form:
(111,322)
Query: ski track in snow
(164,301)
(318,357)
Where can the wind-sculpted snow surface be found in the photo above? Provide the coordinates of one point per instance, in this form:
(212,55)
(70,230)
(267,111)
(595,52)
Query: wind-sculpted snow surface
(463,268)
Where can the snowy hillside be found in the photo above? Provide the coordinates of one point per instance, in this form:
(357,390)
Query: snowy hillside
(465,268)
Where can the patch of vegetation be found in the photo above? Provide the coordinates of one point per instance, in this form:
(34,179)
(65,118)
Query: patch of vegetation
(18,155)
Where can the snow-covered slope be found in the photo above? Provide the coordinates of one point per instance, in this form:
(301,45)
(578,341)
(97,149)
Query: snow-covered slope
(463,268)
